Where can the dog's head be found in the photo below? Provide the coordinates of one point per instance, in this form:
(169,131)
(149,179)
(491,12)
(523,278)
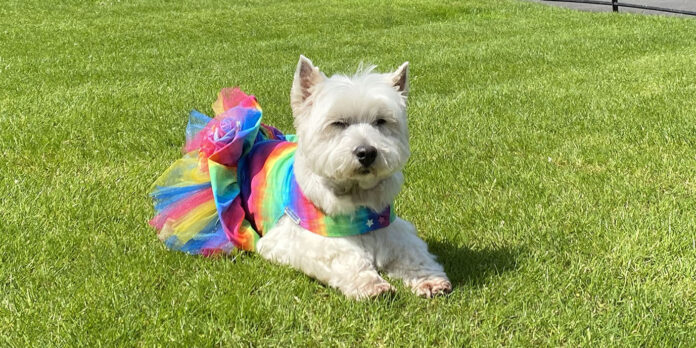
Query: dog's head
(351,130)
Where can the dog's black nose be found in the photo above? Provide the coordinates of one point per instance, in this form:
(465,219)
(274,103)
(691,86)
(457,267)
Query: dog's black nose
(365,154)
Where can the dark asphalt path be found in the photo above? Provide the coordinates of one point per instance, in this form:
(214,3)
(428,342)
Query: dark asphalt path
(689,5)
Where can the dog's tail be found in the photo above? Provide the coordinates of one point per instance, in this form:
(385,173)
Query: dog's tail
(196,200)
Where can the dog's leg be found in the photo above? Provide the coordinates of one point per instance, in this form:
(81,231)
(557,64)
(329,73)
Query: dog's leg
(406,256)
(339,262)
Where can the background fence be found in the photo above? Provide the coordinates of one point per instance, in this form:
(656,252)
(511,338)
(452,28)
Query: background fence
(616,4)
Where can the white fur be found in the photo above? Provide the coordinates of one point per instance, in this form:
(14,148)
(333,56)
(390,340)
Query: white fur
(370,109)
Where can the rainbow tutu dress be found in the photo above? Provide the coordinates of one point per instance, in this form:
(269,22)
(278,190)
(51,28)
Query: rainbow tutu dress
(235,181)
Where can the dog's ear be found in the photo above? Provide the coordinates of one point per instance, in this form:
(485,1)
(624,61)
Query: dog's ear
(399,79)
(306,77)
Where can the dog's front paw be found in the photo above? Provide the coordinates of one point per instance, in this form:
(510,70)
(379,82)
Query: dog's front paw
(371,291)
(430,288)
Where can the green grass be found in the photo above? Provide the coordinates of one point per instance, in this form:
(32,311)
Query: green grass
(553,172)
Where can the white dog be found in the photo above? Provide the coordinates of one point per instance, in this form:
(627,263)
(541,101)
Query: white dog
(352,145)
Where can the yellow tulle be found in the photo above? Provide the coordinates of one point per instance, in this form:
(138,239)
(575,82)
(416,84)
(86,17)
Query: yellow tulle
(190,224)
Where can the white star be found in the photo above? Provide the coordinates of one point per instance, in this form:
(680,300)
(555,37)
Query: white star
(369,223)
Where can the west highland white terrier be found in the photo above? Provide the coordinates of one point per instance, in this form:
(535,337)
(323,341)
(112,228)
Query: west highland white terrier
(322,204)
(352,146)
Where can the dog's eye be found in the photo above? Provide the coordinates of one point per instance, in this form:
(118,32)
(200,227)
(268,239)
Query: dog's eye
(380,122)
(339,124)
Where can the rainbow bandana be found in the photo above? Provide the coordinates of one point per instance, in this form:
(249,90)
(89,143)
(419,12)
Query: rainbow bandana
(235,182)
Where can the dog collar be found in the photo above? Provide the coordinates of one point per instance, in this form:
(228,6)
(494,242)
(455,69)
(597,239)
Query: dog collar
(304,213)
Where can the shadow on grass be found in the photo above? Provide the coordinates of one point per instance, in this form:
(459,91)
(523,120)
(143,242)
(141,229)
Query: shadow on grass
(473,267)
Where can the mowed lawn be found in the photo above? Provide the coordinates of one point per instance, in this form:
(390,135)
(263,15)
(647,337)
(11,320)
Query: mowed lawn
(553,172)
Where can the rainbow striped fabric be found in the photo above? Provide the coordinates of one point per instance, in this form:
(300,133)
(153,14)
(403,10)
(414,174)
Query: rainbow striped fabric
(235,182)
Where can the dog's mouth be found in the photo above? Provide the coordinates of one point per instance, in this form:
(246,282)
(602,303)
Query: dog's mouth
(353,188)
(363,178)
(363,171)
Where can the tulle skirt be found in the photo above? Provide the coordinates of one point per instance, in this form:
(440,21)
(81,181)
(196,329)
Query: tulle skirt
(197,200)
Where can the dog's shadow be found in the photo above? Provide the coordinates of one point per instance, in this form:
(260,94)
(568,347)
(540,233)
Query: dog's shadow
(467,266)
